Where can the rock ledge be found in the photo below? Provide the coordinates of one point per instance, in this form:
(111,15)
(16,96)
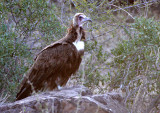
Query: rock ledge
(77,99)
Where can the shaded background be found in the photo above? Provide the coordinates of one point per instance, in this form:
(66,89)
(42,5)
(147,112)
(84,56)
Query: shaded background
(122,48)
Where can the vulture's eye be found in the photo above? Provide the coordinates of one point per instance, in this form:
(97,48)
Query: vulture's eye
(80,17)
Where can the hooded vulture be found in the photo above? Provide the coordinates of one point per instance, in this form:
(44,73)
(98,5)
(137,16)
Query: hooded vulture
(55,63)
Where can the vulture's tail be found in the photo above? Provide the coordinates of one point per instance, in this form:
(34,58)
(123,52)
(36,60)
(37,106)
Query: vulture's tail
(25,88)
(24,92)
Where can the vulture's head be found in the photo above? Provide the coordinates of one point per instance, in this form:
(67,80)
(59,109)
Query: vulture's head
(79,19)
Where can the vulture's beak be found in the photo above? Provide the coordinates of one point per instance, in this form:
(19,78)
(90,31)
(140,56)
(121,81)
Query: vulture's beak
(87,19)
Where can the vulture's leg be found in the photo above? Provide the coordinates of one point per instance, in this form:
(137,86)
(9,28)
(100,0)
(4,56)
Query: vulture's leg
(58,82)
(59,87)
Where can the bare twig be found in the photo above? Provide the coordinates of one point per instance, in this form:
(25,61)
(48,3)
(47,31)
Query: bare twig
(3,99)
(62,7)
(153,104)
(137,5)
(123,10)
(106,32)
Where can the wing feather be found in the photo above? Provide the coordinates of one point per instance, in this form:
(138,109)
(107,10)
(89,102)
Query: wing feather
(57,60)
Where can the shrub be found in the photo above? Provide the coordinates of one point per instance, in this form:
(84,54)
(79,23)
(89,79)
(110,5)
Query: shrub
(137,62)
(18,22)
(13,58)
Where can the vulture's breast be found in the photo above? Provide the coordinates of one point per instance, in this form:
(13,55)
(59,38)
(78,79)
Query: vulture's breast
(79,45)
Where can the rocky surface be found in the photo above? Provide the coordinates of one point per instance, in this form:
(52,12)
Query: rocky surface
(77,99)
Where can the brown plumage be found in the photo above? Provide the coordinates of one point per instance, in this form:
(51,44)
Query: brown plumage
(57,62)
